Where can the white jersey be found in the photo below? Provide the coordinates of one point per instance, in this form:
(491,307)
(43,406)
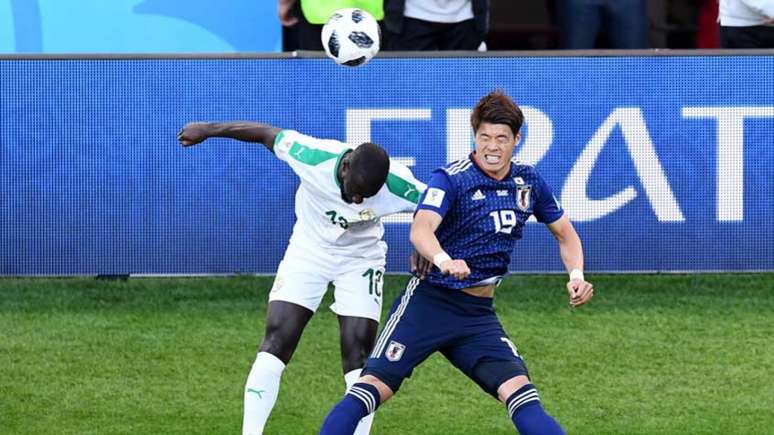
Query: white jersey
(323,219)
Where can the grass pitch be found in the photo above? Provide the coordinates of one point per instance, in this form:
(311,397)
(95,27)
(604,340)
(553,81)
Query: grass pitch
(651,354)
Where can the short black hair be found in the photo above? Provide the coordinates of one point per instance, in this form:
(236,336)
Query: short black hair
(369,166)
(497,108)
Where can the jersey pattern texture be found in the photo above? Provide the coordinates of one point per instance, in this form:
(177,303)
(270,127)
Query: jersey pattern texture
(483,217)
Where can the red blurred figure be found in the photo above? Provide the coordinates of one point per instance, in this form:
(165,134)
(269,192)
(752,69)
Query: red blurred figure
(708,32)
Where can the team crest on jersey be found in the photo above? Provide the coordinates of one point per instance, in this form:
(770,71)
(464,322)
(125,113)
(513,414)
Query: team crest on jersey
(367,214)
(523,194)
(394,351)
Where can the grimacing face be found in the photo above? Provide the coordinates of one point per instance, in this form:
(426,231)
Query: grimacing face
(494,148)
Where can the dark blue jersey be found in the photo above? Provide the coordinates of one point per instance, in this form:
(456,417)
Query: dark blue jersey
(483,217)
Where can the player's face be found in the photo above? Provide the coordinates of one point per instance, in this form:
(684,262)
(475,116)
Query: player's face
(494,148)
(351,192)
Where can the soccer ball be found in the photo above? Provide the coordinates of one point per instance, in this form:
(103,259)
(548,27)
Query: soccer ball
(351,37)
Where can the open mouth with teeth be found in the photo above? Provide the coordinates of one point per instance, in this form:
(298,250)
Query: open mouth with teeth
(491,159)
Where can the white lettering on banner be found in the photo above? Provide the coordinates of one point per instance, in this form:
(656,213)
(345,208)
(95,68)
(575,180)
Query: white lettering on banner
(359,120)
(459,135)
(730,154)
(581,208)
(359,131)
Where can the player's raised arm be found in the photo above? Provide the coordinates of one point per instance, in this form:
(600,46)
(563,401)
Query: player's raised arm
(245,131)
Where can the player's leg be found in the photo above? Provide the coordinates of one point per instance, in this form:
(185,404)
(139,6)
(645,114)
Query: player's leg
(358,303)
(489,357)
(298,288)
(358,335)
(523,403)
(285,322)
(405,341)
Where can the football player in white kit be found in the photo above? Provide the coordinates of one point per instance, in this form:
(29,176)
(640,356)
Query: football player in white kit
(343,194)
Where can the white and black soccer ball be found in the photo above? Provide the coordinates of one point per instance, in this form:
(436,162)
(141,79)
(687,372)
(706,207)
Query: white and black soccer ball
(351,37)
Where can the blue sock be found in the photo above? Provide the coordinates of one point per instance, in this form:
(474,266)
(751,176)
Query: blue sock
(527,414)
(361,400)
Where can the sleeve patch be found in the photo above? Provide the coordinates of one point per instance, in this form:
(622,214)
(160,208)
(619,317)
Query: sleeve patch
(434,197)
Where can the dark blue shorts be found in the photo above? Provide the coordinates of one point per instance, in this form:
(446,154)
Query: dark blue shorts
(464,328)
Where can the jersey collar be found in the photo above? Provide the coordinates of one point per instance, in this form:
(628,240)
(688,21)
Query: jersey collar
(336,167)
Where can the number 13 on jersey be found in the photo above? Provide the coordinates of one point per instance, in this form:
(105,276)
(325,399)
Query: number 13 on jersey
(375,281)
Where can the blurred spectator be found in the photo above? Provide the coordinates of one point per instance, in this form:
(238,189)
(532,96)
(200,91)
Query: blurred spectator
(707,32)
(304,24)
(289,13)
(435,24)
(746,23)
(580,22)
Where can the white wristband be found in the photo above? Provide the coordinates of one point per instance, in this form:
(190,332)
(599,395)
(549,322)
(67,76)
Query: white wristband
(440,258)
(576,274)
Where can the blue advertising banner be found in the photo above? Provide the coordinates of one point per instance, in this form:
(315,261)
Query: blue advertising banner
(664,163)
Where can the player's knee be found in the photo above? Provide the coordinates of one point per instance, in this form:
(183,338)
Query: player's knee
(277,344)
(356,345)
(353,361)
(492,376)
(510,386)
(385,392)
(355,354)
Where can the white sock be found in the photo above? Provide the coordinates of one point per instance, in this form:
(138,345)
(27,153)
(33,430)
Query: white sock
(364,427)
(261,390)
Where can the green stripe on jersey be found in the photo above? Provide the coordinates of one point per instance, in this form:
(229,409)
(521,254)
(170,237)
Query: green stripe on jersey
(402,188)
(278,138)
(310,156)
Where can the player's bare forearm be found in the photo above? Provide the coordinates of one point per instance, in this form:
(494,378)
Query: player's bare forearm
(579,290)
(422,234)
(570,247)
(427,245)
(245,131)
(571,251)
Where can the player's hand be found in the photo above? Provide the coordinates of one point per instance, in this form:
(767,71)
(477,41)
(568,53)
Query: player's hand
(580,292)
(419,265)
(193,133)
(456,268)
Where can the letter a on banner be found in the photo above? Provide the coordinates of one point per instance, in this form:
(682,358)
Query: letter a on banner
(662,200)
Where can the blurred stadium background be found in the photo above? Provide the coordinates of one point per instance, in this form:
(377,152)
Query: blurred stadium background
(663,159)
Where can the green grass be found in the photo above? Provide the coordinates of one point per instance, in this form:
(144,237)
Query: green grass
(652,354)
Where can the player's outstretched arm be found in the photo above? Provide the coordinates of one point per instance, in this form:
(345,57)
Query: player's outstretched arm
(571,250)
(245,131)
(427,245)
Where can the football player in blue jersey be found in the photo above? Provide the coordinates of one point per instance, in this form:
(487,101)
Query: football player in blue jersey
(467,224)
